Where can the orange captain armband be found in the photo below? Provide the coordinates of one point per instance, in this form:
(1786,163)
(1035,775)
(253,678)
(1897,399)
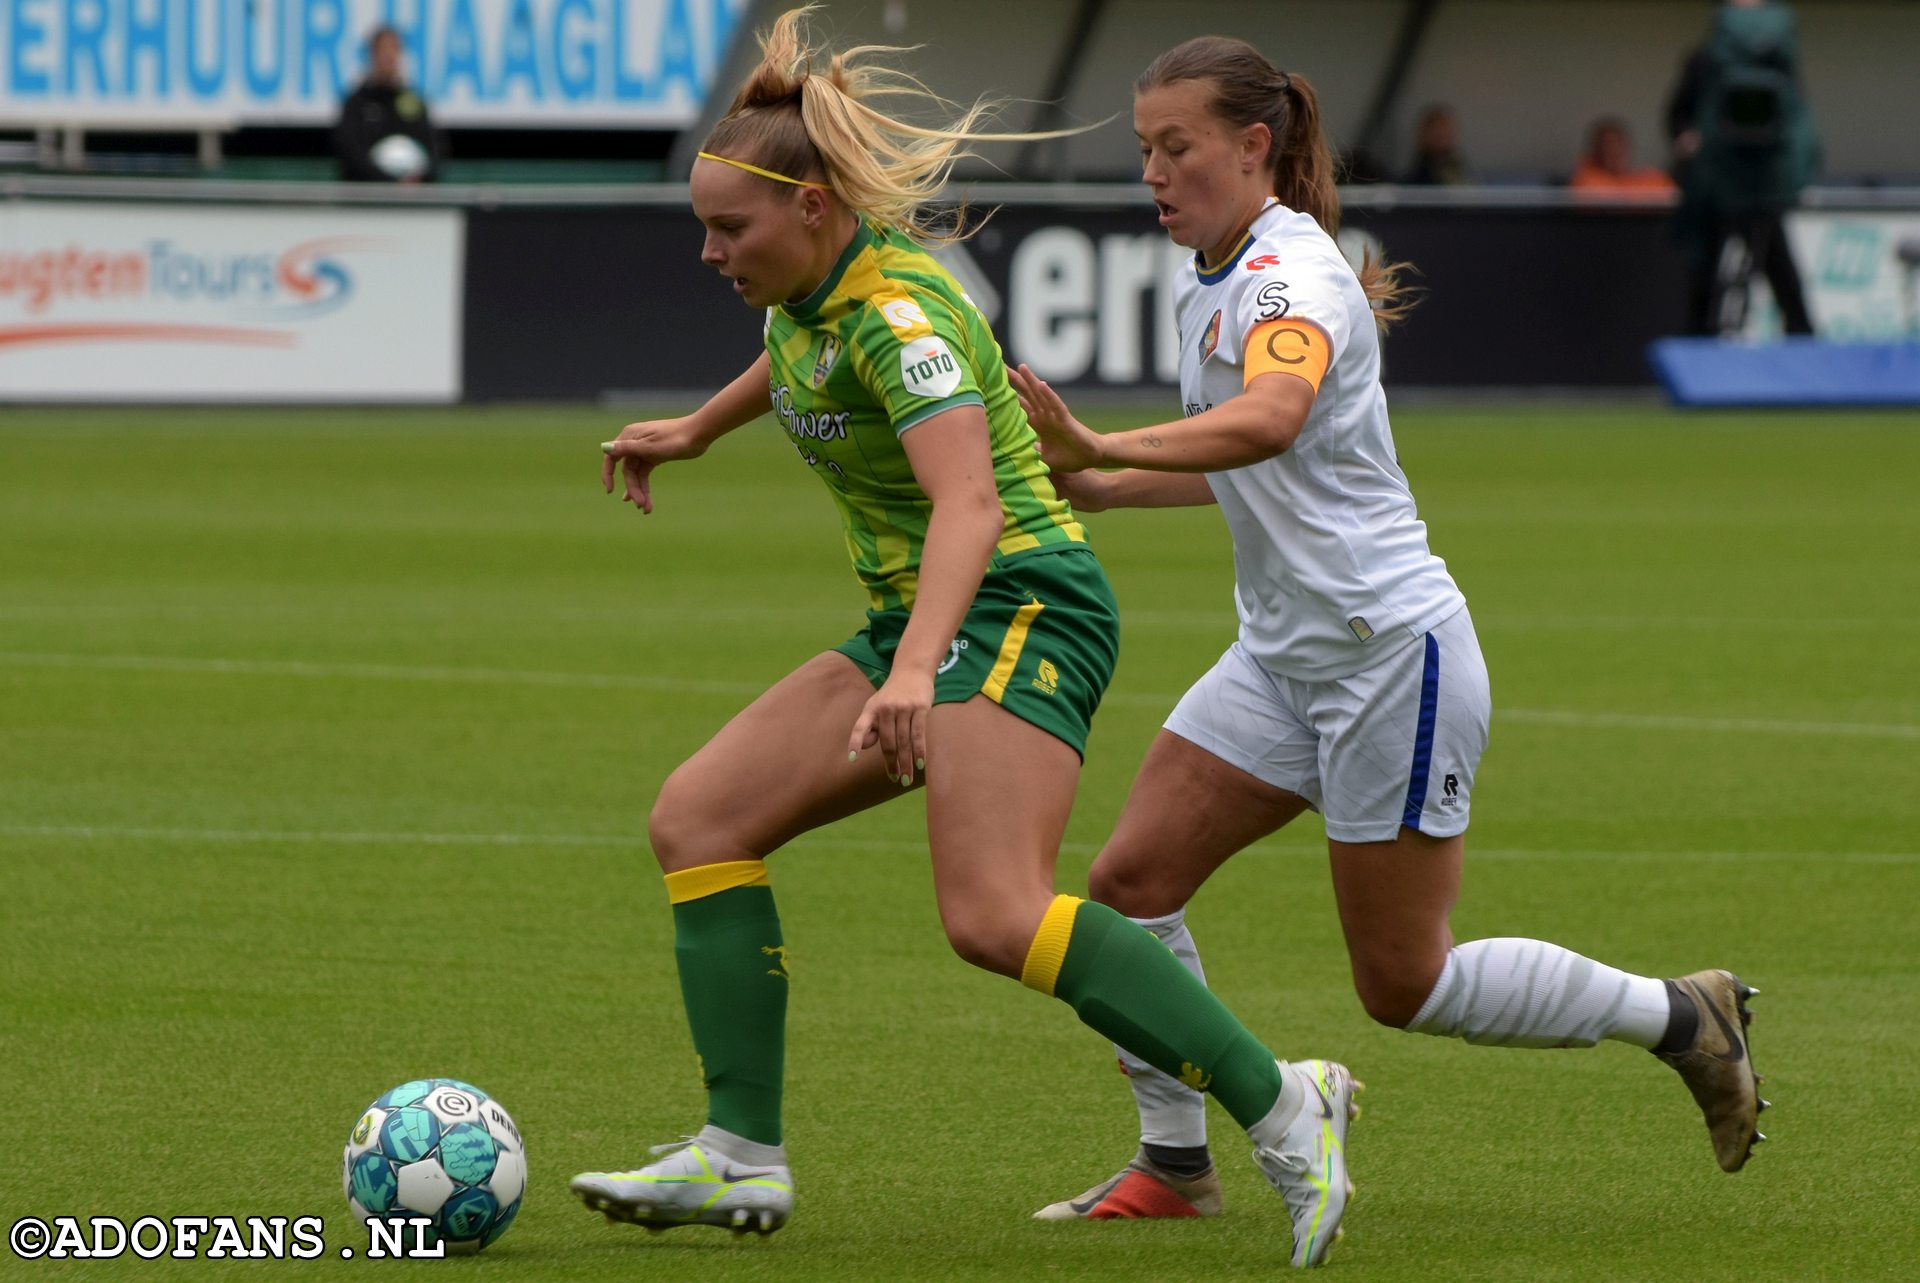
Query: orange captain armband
(1287,346)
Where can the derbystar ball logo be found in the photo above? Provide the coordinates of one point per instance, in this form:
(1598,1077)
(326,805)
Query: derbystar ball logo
(162,290)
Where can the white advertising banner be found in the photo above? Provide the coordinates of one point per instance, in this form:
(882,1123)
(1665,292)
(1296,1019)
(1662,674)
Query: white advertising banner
(205,303)
(636,63)
(1861,274)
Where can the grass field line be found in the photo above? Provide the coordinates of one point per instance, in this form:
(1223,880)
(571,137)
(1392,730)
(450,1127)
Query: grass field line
(381,672)
(1219,623)
(348,837)
(832,842)
(699,686)
(1743,725)
(370,837)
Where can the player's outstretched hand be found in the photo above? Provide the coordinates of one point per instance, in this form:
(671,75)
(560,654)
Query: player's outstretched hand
(1084,491)
(639,449)
(896,720)
(1067,444)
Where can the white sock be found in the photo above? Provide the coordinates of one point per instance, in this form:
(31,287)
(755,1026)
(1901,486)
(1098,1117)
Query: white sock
(1271,1131)
(748,1153)
(1509,992)
(1171,1113)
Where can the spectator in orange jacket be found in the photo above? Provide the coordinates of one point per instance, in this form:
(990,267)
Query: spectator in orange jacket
(1607,164)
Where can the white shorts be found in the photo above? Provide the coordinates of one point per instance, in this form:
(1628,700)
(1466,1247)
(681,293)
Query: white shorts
(1393,745)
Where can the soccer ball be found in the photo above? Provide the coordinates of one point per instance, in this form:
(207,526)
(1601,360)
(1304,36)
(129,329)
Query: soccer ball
(399,157)
(440,1148)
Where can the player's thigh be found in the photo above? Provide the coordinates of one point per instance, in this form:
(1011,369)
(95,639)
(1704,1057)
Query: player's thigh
(999,791)
(775,771)
(1234,763)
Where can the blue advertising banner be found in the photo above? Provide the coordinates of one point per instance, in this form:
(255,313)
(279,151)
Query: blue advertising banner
(519,63)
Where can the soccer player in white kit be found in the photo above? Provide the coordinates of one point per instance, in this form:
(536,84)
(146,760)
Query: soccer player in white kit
(1356,685)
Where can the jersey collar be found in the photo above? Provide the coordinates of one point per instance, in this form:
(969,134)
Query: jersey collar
(1215,275)
(808,308)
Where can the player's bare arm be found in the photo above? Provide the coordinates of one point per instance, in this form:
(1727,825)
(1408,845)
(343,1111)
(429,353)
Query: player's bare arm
(1257,425)
(1260,423)
(1096,491)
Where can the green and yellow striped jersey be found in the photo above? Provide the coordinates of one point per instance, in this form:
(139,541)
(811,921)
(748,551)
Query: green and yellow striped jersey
(886,342)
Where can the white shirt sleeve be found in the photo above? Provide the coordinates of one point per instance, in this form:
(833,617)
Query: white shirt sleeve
(1288,277)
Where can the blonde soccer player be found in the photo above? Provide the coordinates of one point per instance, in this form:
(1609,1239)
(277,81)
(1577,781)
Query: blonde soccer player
(989,639)
(1356,685)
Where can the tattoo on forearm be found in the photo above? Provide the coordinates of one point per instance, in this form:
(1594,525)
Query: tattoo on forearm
(1151,441)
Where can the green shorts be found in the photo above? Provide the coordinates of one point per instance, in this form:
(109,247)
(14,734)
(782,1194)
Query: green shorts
(1040,640)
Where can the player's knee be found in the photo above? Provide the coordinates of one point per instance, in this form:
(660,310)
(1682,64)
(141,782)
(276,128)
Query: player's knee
(986,941)
(664,833)
(1131,887)
(1393,994)
(979,947)
(680,826)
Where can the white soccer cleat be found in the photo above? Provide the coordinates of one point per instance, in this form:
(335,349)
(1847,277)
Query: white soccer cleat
(1306,1158)
(692,1185)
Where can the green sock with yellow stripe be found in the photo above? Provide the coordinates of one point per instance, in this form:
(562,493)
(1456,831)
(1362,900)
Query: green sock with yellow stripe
(1122,981)
(733,978)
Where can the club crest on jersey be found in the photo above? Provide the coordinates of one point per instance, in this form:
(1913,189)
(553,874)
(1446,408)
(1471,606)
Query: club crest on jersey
(1211,339)
(823,361)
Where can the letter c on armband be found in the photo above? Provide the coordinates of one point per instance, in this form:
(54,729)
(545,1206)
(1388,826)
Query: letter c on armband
(1287,346)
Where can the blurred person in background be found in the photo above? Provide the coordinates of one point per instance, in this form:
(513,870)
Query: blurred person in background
(1744,147)
(1437,161)
(384,134)
(1607,164)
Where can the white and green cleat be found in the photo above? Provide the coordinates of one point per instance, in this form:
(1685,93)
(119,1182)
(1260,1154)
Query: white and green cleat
(693,1184)
(1304,1154)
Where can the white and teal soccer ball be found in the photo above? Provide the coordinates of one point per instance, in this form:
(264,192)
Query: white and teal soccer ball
(440,1148)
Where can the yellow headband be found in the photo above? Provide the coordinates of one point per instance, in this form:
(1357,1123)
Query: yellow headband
(764,173)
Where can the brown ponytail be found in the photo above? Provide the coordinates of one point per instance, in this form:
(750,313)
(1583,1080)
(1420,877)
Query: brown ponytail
(1249,90)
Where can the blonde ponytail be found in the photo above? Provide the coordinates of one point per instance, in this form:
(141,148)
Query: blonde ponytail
(807,113)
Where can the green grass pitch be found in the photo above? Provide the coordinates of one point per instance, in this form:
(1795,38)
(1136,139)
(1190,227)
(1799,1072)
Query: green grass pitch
(327,740)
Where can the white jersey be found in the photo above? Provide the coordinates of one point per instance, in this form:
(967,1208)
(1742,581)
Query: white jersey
(1332,572)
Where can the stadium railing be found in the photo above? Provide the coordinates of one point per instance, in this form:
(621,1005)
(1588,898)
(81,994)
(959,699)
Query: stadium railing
(62,143)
